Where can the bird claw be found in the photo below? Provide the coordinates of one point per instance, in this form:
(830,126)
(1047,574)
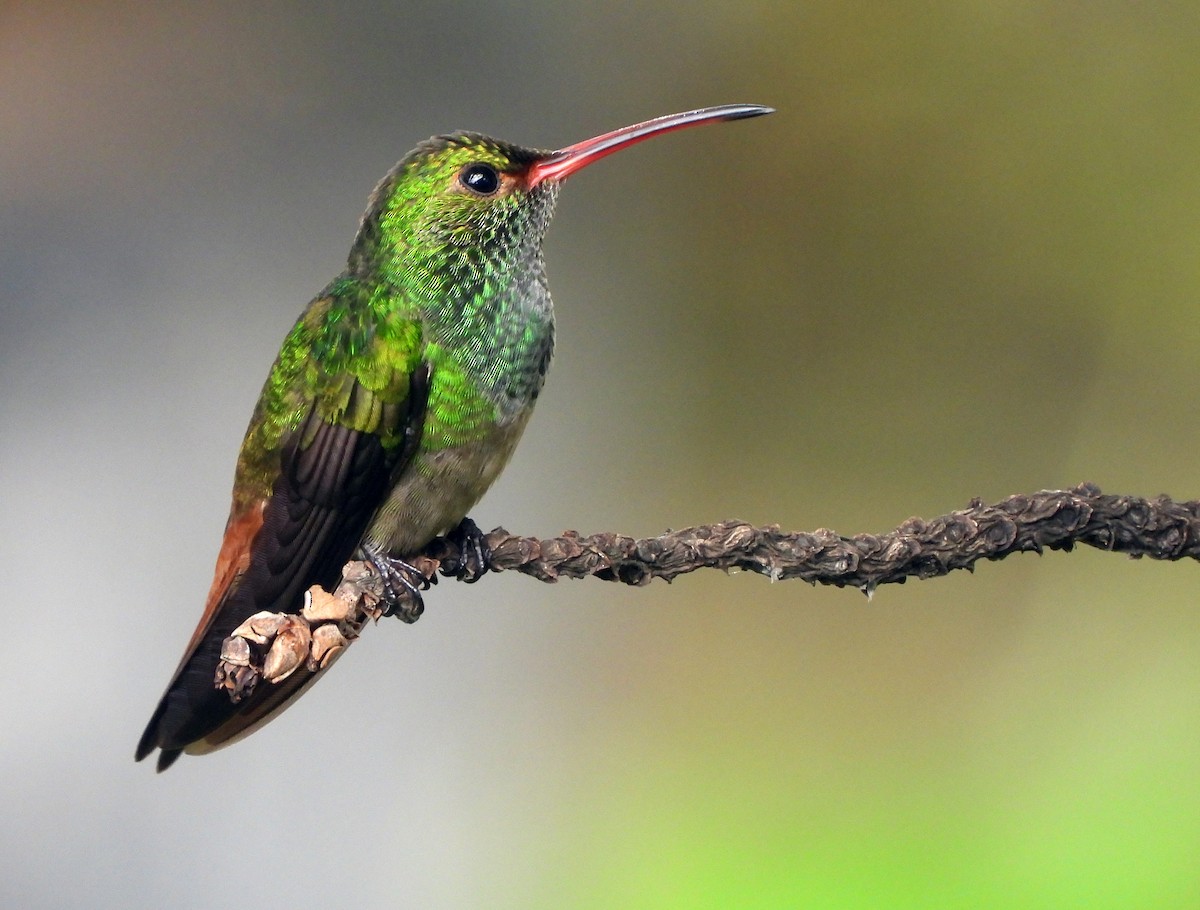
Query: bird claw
(402,585)
(471,564)
(403,581)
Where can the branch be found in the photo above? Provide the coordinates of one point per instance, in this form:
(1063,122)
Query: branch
(1052,519)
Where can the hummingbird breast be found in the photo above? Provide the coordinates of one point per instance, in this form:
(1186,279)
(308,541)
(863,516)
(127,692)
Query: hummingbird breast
(488,352)
(439,488)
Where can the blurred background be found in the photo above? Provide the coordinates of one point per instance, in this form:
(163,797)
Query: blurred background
(962,260)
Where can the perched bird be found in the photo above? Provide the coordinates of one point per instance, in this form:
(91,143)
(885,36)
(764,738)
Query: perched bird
(395,401)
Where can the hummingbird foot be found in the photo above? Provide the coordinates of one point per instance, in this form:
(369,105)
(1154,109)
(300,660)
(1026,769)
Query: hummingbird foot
(402,584)
(471,564)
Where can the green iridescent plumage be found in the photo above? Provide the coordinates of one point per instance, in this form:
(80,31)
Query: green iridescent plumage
(437,275)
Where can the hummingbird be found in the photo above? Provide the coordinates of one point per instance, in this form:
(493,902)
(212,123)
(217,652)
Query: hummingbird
(395,401)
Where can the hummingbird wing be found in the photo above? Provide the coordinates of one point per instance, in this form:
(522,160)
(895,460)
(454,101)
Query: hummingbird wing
(332,478)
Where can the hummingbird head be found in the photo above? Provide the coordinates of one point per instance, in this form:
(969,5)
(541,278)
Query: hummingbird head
(459,201)
(465,200)
(455,231)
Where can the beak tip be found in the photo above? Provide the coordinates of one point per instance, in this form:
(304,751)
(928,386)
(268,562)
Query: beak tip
(750,110)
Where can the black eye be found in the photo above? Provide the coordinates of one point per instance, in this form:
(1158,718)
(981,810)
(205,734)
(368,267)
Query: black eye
(481,178)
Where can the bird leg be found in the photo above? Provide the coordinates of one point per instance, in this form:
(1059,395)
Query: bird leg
(402,584)
(471,564)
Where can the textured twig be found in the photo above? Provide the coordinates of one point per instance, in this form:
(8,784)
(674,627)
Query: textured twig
(1052,519)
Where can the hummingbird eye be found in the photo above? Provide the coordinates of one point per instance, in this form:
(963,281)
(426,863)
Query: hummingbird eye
(480,178)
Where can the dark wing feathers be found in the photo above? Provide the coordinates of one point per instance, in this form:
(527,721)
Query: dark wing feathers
(332,480)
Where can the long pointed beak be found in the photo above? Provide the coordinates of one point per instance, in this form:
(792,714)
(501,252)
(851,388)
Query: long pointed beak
(561,164)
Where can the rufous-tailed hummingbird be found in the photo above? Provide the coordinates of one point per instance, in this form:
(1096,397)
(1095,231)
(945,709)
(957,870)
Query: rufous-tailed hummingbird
(396,400)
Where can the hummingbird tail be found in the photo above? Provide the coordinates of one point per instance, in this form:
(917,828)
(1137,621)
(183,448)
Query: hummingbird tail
(302,535)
